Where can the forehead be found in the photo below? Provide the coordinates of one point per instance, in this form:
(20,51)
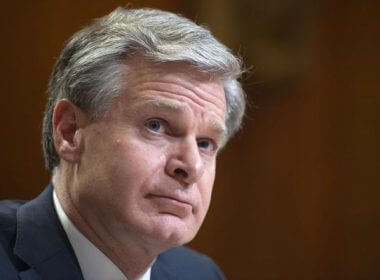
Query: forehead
(177,82)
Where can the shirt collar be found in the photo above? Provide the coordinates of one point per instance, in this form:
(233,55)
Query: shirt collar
(93,263)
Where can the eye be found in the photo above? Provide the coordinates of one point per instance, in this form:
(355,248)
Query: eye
(206,144)
(154,125)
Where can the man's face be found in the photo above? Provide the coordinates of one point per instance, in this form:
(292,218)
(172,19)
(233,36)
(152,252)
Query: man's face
(147,169)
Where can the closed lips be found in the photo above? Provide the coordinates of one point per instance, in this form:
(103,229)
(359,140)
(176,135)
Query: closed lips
(171,204)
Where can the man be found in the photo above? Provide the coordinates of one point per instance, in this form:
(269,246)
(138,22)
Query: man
(140,103)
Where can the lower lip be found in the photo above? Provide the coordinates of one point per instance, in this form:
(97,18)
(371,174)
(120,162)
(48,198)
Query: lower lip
(167,205)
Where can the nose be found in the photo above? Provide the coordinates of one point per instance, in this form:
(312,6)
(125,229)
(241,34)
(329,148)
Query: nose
(185,163)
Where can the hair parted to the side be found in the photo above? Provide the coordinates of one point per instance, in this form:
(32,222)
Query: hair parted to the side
(90,68)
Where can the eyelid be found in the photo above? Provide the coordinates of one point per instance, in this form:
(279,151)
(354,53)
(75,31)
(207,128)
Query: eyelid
(213,143)
(161,121)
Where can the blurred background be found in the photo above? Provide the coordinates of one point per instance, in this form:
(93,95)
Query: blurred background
(297,191)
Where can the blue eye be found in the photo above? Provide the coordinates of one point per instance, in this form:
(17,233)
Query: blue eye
(205,144)
(154,125)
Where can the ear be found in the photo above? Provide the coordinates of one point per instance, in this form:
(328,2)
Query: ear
(68,121)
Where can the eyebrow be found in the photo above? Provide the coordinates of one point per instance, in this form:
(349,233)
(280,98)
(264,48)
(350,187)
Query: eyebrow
(215,126)
(162,104)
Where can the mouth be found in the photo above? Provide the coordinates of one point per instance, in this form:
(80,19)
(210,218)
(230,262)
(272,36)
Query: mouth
(171,205)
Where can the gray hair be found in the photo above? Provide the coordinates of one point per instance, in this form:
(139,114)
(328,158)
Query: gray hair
(90,67)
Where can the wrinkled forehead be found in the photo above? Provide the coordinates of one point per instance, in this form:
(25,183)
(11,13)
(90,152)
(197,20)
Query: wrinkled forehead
(173,75)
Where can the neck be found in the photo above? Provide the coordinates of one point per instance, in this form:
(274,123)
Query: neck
(131,259)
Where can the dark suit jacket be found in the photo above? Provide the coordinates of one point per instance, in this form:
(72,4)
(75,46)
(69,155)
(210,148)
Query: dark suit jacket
(33,245)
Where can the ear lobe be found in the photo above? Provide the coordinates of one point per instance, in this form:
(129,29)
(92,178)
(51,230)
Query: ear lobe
(67,122)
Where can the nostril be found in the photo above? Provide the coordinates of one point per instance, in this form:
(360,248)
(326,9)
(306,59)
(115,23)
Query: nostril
(181,172)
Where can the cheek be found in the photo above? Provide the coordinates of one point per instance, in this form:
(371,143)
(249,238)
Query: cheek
(205,190)
(133,166)
(207,196)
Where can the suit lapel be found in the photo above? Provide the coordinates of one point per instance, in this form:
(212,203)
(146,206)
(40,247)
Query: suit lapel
(41,242)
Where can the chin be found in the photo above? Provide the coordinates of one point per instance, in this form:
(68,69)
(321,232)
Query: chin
(172,231)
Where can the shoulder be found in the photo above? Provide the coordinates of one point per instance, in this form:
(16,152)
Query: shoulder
(8,228)
(8,212)
(8,221)
(189,264)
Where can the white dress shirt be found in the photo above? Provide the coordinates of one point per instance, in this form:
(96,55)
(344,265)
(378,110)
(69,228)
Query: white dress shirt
(93,263)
